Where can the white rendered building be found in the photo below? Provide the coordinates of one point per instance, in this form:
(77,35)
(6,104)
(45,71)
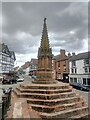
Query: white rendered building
(79,69)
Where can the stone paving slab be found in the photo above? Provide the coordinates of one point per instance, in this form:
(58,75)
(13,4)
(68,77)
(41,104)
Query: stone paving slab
(17,112)
(20,109)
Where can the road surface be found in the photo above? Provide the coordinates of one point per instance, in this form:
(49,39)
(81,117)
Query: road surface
(86,95)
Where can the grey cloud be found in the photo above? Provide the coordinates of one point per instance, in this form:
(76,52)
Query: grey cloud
(61,19)
(45,0)
(21,44)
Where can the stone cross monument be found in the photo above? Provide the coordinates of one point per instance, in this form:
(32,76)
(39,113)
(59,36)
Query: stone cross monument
(50,98)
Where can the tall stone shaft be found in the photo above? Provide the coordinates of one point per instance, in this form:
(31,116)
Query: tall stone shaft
(44,70)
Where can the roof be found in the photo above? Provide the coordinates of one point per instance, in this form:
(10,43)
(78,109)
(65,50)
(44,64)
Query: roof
(80,56)
(26,65)
(63,58)
(12,54)
(34,61)
(60,58)
(4,49)
(16,68)
(56,57)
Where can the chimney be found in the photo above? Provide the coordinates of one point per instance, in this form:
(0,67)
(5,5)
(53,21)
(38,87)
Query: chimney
(73,53)
(62,52)
(69,54)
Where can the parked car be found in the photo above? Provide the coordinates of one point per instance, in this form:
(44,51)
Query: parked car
(13,80)
(5,81)
(81,86)
(9,80)
(1,79)
(20,79)
(33,76)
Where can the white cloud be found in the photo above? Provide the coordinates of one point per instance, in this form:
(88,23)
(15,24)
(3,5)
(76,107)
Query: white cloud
(21,59)
(72,32)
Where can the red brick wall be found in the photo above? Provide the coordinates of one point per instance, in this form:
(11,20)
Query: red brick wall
(61,68)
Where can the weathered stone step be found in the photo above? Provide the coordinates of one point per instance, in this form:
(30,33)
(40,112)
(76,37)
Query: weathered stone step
(43,96)
(65,113)
(84,115)
(44,81)
(45,86)
(43,91)
(55,108)
(55,102)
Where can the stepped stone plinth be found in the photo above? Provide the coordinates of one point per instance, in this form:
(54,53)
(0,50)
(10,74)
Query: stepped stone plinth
(50,98)
(53,100)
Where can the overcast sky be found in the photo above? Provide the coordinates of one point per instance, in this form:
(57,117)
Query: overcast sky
(67,24)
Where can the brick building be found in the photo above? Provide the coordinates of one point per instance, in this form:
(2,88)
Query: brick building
(61,66)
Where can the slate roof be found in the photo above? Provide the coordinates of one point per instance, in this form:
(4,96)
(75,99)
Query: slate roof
(80,56)
(12,54)
(34,61)
(4,49)
(56,57)
(60,58)
(26,65)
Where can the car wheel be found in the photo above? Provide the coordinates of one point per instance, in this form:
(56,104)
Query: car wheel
(11,82)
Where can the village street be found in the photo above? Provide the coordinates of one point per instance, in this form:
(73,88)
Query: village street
(86,95)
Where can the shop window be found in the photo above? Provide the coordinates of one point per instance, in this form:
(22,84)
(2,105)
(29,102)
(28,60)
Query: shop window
(88,81)
(79,80)
(71,80)
(84,81)
(75,80)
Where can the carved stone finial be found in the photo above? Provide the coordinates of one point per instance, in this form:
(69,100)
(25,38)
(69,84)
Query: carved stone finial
(45,20)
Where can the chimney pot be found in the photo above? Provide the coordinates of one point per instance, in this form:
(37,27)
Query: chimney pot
(73,53)
(69,54)
(62,52)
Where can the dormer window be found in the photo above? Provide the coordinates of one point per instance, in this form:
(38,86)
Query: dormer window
(74,63)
